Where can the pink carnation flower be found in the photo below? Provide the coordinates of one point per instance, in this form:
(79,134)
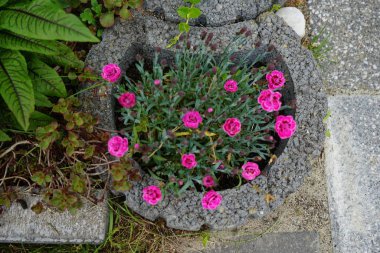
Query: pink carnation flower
(231,86)
(117,146)
(111,72)
(275,79)
(211,200)
(188,161)
(152,194)
(232,126)
(285,126)
(157,82)
(270,100)
(192,119)
(250,171)
(127,100)
(208,181)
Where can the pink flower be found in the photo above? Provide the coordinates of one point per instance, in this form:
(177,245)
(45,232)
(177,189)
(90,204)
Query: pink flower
(157,82)
(285,126)
(270,100)
(275,79)
(231,86)
(211,200)
(117,146)
(137,146)
(192,119)
(111,72)
(127,100)
(188,161)
(232,126)
(208,181)
(152,194)
(210,110)
(250,170)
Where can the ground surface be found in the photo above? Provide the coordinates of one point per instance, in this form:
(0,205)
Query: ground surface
(305,210)
(352,152)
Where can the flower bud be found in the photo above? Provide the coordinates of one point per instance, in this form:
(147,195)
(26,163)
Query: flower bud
(214,70)
(233,70)
(164,62)
(257,159)
(242,30)
(209,38)
(180,182)
(271,67)
(203,34)
(210,110)
(257,44)
(213,47)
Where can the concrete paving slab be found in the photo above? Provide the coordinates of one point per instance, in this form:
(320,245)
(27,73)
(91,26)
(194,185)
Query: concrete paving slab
(353,64)
(302,242)
(353,172)
(88,225)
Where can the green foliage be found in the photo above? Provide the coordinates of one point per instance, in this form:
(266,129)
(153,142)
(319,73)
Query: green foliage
(275,7)
(102,14)
(195,81)
(320,45)
(15,86)
(28,30)
(4,136)
(186,13)
(44,20)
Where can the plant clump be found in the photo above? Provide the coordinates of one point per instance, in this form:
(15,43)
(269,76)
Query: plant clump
(202,121)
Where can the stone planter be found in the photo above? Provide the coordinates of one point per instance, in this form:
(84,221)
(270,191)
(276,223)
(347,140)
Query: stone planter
(120,45)
(20,224)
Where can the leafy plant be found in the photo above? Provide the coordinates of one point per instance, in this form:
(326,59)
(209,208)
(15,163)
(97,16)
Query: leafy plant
(195,87)
(28,30)
(64,161)
(320,45)
(99,14)
(186,13)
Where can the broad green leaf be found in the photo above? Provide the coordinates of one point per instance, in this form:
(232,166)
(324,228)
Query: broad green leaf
(14,41)
(39,119)
(3,2)
(41,100)
(194,12)
(15,86)
(183,27)
(65,58)
(183,11)
(45,79)
(44,20)
(4,136)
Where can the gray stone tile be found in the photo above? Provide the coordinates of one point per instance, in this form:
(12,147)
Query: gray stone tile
(353,25)
(353,172)
(299,242)
(88,225)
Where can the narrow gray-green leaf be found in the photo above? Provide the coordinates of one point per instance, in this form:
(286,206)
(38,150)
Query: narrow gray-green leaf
(15,86)
(4,136)
(42,19)
(45,79)
(14,41)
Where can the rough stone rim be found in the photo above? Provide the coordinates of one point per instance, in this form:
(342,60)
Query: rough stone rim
(302,150)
